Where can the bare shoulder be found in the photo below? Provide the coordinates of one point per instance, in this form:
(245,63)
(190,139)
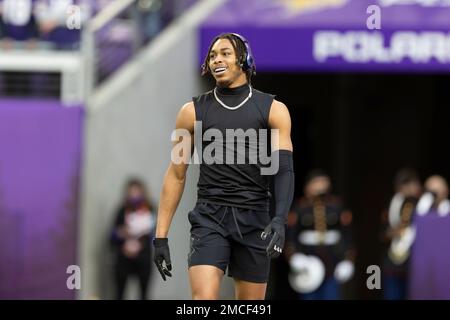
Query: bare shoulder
(278,104)
(279,114)
(279,107)
(188,110)
(186,116)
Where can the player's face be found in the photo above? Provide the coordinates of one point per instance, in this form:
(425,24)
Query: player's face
(223,63)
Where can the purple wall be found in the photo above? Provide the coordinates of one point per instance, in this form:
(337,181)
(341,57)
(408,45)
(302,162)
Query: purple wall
(40,146)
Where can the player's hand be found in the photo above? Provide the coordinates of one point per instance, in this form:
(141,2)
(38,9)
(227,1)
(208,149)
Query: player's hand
(162,254)
(276,228)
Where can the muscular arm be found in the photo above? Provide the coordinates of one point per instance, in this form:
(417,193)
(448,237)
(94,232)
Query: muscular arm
(175,177)
(280,120)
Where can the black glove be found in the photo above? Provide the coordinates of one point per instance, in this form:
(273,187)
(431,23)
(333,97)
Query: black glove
(276,228)
(162,253)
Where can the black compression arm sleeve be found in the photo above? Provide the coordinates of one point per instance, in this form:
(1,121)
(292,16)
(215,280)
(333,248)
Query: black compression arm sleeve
(284,185)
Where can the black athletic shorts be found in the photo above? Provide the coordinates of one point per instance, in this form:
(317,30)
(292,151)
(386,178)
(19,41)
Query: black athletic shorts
(224,236)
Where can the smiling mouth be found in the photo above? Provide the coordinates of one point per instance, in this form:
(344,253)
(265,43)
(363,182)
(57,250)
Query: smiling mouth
(219,70)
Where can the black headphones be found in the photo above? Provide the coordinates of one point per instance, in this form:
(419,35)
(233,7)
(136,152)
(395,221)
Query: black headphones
(249,61)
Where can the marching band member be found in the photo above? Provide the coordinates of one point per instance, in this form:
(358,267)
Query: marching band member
(399,234)
(435,198)
(429,263)
(320,247)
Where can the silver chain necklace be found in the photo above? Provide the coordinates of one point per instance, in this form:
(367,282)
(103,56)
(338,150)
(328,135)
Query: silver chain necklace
(233,108)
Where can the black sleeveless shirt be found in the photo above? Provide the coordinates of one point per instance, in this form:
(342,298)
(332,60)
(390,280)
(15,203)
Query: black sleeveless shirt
(233,183)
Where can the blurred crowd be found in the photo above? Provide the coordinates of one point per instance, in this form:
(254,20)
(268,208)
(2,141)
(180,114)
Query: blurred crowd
(320,247)
(57,23)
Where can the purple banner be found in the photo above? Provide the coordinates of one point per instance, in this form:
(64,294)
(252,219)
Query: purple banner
(326,35)
(430,261)
(40,146)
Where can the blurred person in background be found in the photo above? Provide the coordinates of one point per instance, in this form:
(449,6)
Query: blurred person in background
(18,23)
(150,18)
(398,234)
(430,261)
(319,250)
(18,30)
(131,237)
(435,198)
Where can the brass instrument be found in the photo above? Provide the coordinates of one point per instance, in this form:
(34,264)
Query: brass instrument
(399,250)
